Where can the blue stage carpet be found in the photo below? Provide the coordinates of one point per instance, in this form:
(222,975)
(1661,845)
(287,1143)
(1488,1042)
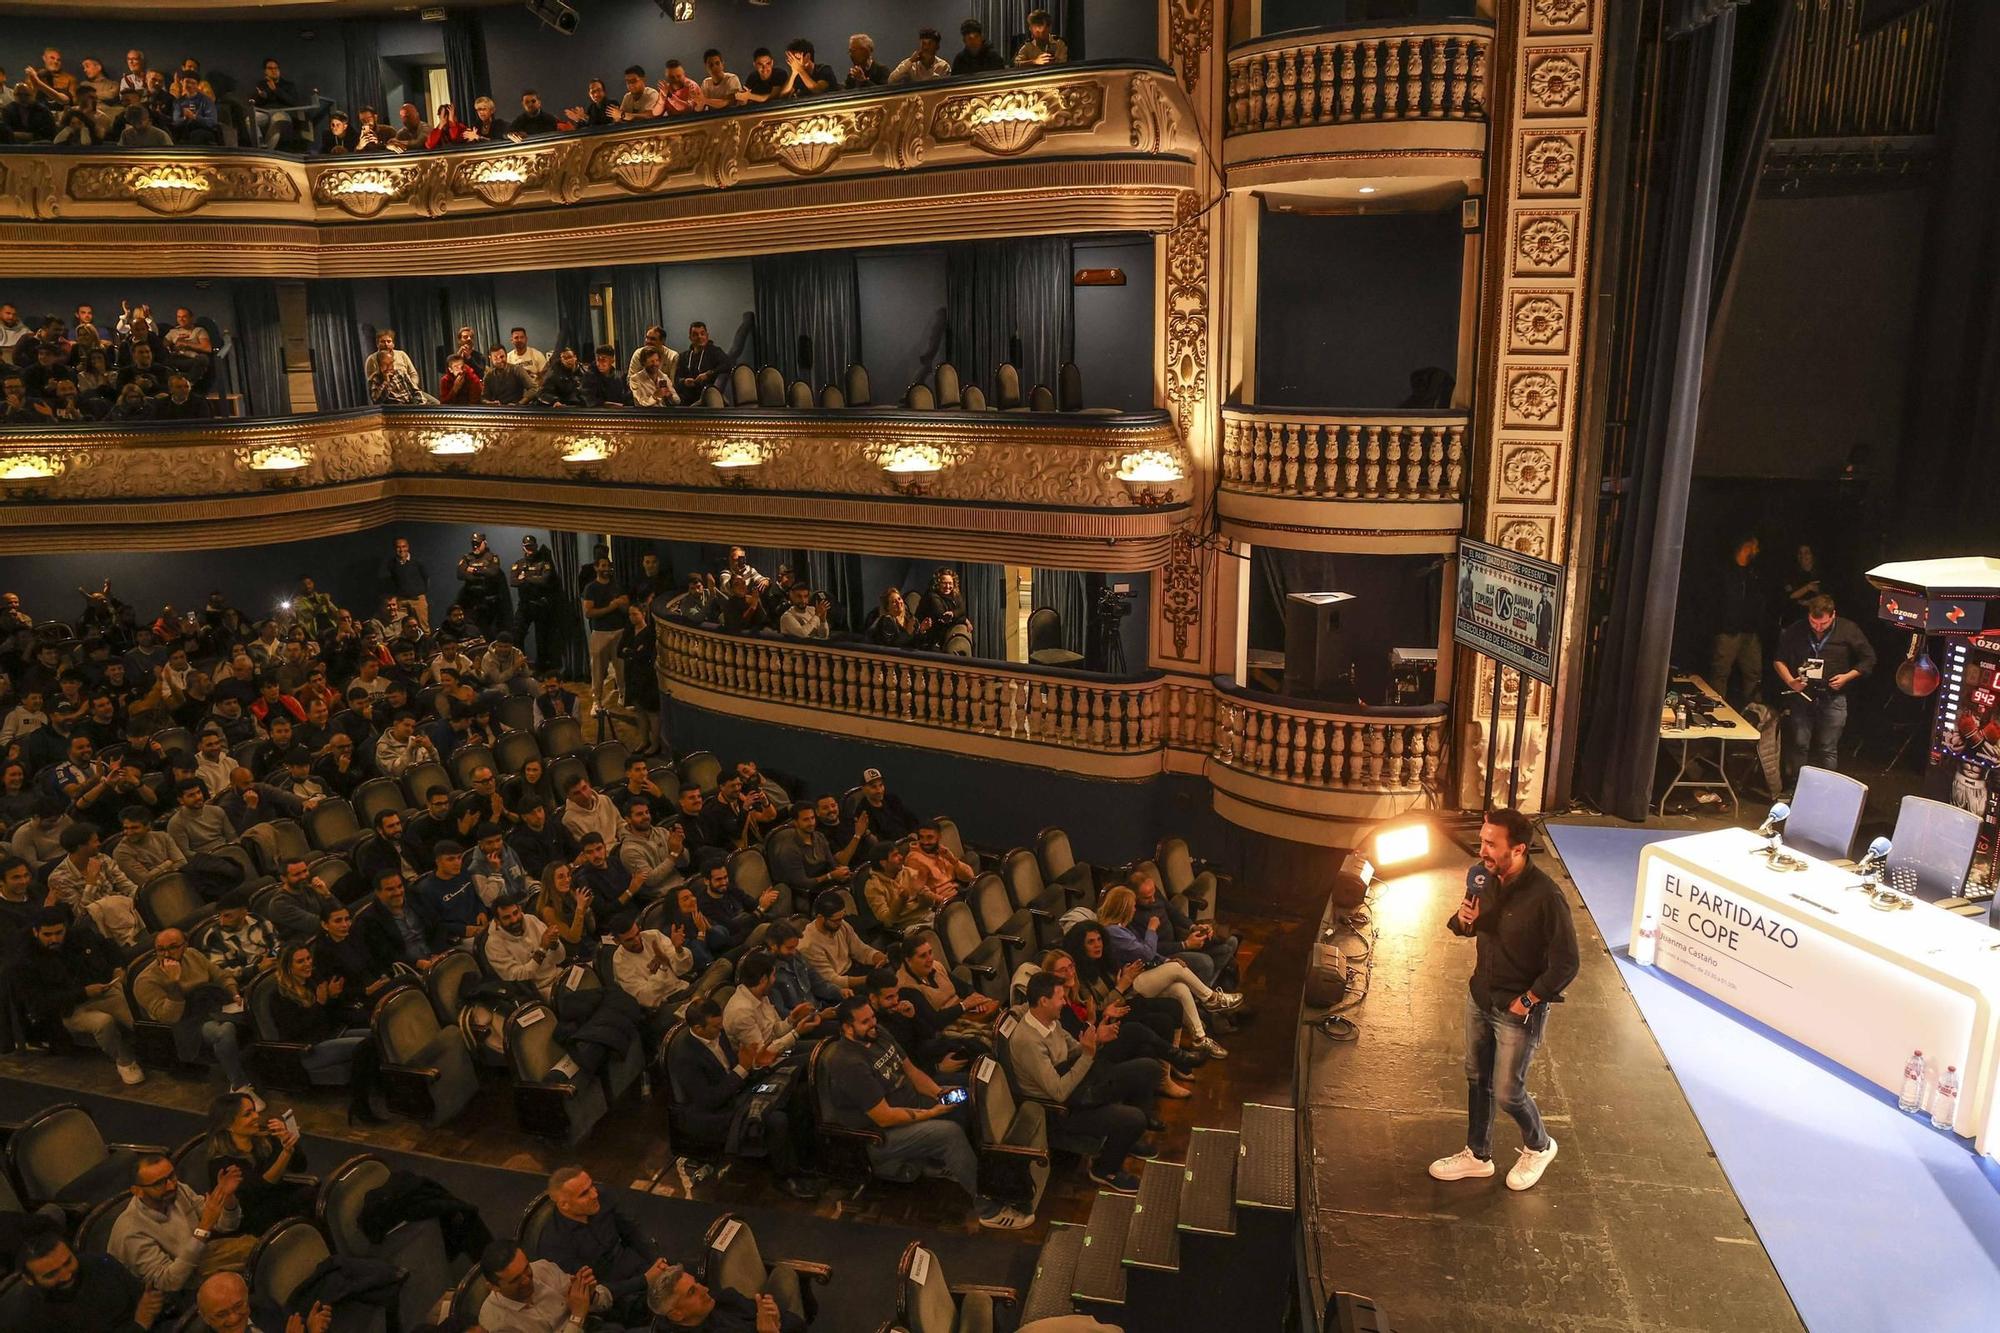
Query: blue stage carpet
(1874,1220)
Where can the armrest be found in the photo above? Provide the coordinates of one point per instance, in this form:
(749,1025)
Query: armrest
(1198,904)
(1014,940)
(290,1047)
(142,1148)
(296,1178)
(1004,1295)
(820,1273)
(1016,1150)
(842,1131)
(421,1071)
(981,969)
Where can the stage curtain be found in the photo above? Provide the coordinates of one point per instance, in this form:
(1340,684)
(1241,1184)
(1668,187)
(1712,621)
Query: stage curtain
(567,549)
(1063,591)
(816,297)
(1663,380)
(985,588)
(259,354)
(572,313)
(416,313)
(339,345)
(1000,290)
(839,577)
(361,39)
(465,62)
(469,300)
(635,306)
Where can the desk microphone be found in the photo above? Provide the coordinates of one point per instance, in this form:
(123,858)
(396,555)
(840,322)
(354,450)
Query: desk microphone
(1874,858)
(1775,820)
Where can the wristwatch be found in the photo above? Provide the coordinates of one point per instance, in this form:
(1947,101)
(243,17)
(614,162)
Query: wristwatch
(202,1233)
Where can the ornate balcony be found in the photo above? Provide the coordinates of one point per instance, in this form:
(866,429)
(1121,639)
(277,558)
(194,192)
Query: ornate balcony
(1379,102)
(1383,482)
(1078,148)
(1313,774)
(1034,488)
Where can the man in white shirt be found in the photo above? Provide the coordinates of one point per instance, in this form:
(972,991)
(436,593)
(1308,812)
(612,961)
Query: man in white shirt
(403,745)
(653,969)
(751,1020)
(385,342)
(833,949)
(656,339)
(805,617)
(527,360)
(651,383)
(521,949)
(923,64)
(213,763)
(535,1297)
(585,811)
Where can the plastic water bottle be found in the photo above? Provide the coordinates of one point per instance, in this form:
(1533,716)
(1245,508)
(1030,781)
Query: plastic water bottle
(1944,1103)
(1647,947)
(1913,1085)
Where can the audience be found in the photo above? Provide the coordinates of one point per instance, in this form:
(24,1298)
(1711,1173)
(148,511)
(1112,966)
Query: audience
(588,1235)
(1107,1099)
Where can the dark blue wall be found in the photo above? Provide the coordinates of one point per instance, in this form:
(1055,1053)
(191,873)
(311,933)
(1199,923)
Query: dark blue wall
(311,51)
(1348,307)
(1288,15)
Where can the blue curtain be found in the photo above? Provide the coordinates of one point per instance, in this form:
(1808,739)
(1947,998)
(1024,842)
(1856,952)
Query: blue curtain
(470,301)
(572,312)
(1063,591)
(259,348)
(339,345)
(1000,290)
(635,305)
(362,41)
(986,601)
(567,550)
(465,61)
(839,577)
(1006,22)
(416,313)
(816,297)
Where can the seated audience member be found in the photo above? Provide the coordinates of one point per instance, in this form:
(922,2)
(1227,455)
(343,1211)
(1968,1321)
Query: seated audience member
(1209,955)
(144,852)
(447,901)
(597,111)
(610,885)
(679,93)
(522,949)
(805,616)
(803,860)
(702,364)
(410,132)
(894,624)
(394,382)
(503,385)
(751,1019)
(71,977)
(194,116)
(705,938)
(651,968)
(339,955)
(937,866)
(223,1304)
(979,55)
(238,940)
(657,857)
(525,1296)
(392,932)
(763,81)
(1103,1098)
(137,128)
(601,385)
(803,75)
(923,64)
(888,818)
(561,384)
(95,888)
(586,810)
(863,69)
(730,908)
(1147,1035)
(460,384)
(566,910)
(1043,47)
(61,1288)
(680,1300)
(26,120)
(1128,980)
(533,120)
(588,1233)
(495,868)
(721,89)
(919,970)
(265,1152)
(338,138)
(448,130)
(539,840)
(641,101)
(650,383)
(744,612)
(709,1075)
(169,1235)
(530,362)
(187,990)
(871,1084)
(918,1029)
(833,949)
(402,745)
(898,896)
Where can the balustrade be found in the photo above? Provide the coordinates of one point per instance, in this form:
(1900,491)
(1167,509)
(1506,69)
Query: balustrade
(1344,456)
(1329,751)
(1343,78)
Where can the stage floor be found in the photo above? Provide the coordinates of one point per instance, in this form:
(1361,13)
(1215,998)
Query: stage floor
(1634,1226)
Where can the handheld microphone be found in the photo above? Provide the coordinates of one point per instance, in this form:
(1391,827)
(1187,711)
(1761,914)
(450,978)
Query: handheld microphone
(1478,879)
(1779,814)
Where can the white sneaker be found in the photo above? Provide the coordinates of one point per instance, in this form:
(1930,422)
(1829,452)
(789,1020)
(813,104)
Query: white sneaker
(1212,1048)
(131,1073)
(1462,1165)
(1006,1218)
(1529,1166)
(1222,999)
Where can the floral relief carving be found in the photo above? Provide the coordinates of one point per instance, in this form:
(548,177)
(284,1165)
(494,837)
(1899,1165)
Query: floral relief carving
(903,142)
(1010,121)
(501,180)
(1529,536)
(1540,321)
(1533,396)
(1549,163)
(1555,84)
(808,145)
(569,173)
(1187,312)
(1154,119)
(642,164)
(1528,470)
(1180,589)
(1190,33)
(1558,15)
(179,187)
(31,185)
(722,162)
(1547,241)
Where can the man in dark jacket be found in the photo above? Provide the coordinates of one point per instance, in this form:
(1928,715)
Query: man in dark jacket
(708,1074)
(1527,957)
(1819,659)
(70,976)
(602,383)
(78,1293)
(1742,606)
(589,1232)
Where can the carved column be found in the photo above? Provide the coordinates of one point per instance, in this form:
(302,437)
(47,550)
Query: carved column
(1190,618)
(1543,90)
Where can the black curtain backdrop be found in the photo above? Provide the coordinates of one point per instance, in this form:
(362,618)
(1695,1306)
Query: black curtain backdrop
(339,345)
(259,353)
(839,577)
(635,306)
(1682,186)
(416,313)
(985,588)
(572,312)
(470,301)
(568,550)
(814,296)
(465,61)
(999,290)
(1063,591)
(1949,459)
(362,41)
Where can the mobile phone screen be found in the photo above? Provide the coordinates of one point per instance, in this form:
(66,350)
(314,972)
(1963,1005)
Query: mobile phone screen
(953,1096)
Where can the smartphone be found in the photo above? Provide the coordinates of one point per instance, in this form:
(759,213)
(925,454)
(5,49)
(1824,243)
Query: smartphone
(953,1097)
(291,1122)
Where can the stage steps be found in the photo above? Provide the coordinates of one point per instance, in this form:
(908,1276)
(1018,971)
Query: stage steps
(1100,1268)
(1055,1272)
(1208,1183)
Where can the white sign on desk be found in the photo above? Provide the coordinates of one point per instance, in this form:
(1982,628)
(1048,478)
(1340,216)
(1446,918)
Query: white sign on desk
(1861,1010)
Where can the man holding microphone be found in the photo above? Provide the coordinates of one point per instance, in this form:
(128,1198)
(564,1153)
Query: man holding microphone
(1527,957)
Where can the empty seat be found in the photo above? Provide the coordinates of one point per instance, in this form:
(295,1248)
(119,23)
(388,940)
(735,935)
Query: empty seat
(331,825)
(926,1303)
(93,1234)
(1007,389)
(973,399)
(799,395)
(276,1062)
(561,736)
(1012,1138)
(703,769)
(1025,884)
(274,842)
(170,902)
(946,380)
(712,397)
(1045,640)
(447,982)
(1069,387)
(284,1258)
(516,713)
(919,398)
(1060,867)
(551,1100)
(1041,399)
(337,873)
(965,946)
(427,1071)
(1017,928)
(948,834)
(1933,846)
(1192,888)
(770,388)
(831,397)
(606,765)
(857,386)
(742,386)
(418,779)
(59,1156)
(512,751)
(375,796)
(1826,809)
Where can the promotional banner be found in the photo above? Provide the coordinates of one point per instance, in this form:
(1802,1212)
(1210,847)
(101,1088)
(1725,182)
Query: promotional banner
(1509,607)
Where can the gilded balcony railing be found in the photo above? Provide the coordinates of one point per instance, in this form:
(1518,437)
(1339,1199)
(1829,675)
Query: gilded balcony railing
(1329,750)
(1348,76)
(1344,455)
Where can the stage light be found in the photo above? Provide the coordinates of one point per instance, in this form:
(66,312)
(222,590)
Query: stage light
(555,14)
(1351,881)
(1394,846)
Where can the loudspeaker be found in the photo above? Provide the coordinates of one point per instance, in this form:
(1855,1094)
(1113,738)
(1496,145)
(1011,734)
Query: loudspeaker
(1348,1313)
(1315,666)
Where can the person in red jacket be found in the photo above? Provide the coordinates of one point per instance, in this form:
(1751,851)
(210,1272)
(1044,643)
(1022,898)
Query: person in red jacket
(460,383)
(448,130)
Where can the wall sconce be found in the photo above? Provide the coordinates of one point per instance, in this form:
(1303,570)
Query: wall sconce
(455,448)
(586,455)
(27,476)
(498,182)
(1149,477)
(639,166)
(737,461)
(1009,123)
(171,189)
(275,464)
(913,468)
(809,146)
(362,193)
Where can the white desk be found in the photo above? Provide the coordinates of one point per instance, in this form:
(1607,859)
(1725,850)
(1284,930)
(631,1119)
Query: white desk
(1807,953)
(1732,726)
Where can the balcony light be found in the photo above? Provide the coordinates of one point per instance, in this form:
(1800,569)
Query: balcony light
(1149,477)
(737,461)
(26,476)
(454,447)
(912,468)
(1009,123)
(586,455)
(171,189)
(362,193)
(809,146)
(498,182)
(275,464)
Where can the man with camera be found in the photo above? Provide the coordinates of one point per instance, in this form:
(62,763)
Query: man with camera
(1818,659)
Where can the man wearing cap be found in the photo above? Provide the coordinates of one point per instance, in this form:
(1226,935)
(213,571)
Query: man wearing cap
(888,818)
(447,901)
(495,869)
(482,587)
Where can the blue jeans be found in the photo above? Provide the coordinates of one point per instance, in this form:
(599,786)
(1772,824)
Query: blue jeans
(330,1063)
(1812,732)
(1498,1047)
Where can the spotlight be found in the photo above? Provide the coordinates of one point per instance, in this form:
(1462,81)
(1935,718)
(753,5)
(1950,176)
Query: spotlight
(1410,842)
(557,14)
(680,11)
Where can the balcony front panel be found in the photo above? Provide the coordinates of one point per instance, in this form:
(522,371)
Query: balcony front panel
(1026,487)
(1380,482)
(1082,148)
(1315,773)
(1403,102)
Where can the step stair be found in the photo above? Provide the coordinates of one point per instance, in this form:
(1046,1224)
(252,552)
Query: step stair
(1154,1238)
(1208,1183)
(1266,1163)
(1100,1268)
(1055,1272)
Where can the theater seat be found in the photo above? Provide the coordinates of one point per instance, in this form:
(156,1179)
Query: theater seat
(1012,1138)
(59,1156)
(1192,890)
(416,1246)
(549,1102)
(926,1303)
(733,1261)
(1826,809)
(427,1071)
(1060,867)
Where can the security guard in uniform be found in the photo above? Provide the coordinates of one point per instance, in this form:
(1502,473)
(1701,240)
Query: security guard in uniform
(534,578)
(482,587)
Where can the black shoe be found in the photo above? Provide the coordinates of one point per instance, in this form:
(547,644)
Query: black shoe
(1156,1125)
(363,1113)
(799,1187)
(1143,1148)
(1186,1062)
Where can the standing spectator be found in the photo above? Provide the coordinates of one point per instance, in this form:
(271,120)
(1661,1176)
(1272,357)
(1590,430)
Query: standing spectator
(1043,47)
(604,619)
(404,577)
(526,360)
(680,94)
(721,89)
(641,682)
(923,64)
(271,96)
(641,101)
(804,75)
(1742,606)
(700,366)
(978,55)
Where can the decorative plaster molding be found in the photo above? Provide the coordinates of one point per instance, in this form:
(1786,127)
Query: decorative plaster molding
(173,187)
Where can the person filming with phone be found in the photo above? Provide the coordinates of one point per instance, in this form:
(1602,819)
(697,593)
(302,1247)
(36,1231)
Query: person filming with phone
(1526,958)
